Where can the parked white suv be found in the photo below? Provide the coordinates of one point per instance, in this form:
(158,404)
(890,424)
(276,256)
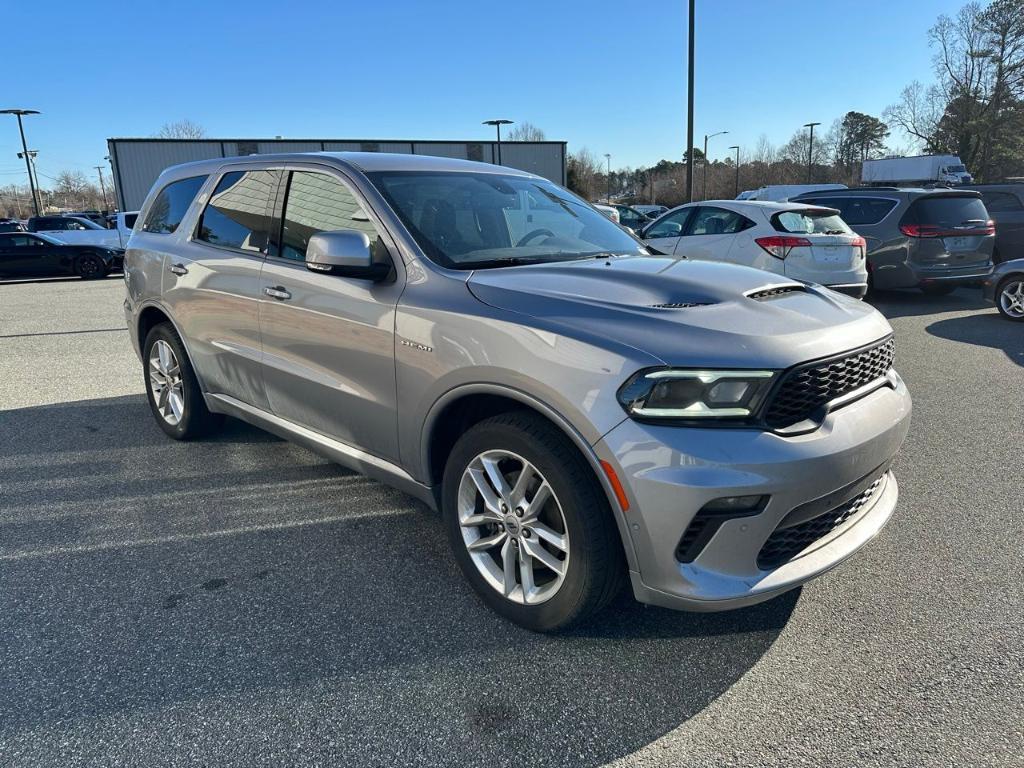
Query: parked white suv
(801,241)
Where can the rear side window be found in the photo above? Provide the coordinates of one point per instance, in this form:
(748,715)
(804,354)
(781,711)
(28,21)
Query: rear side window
(239,212)
(810,222)
(947,211)
(171,204)
(1001,202)
(857,210)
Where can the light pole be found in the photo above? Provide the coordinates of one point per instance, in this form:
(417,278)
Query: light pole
(737,148)
(28,162)
(704,189)
(810,149)
(103,187)
(689,109)
(608,197)
(497,126)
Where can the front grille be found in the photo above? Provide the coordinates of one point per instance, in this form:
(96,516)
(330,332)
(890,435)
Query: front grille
(807,387)
(786,543)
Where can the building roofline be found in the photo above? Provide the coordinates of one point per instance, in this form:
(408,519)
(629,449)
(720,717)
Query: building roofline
(214,139)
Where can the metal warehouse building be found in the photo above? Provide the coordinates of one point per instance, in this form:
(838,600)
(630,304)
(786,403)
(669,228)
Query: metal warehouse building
(138,162)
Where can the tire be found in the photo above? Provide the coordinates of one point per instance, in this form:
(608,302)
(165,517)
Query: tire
(575,513)
(1014,284)
(172,388)
(937,289)
(90,267)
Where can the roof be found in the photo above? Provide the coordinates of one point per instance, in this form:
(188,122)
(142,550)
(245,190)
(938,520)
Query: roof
(916,191)
(360,161)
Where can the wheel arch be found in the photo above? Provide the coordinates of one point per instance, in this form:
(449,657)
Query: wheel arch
(151,315)
(460,408)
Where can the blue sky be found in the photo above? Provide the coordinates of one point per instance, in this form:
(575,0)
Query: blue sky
(597,74)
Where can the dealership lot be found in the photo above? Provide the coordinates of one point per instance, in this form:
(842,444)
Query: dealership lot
(240,601)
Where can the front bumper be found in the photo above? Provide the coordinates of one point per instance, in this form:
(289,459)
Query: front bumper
(670,473)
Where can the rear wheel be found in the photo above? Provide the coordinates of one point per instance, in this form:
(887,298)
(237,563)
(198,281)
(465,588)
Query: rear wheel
(529,524)
(937,289)
(90,267)
(172,387)
(1010,298)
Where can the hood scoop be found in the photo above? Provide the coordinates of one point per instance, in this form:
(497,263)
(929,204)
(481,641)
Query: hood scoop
(775,292)
(682,304)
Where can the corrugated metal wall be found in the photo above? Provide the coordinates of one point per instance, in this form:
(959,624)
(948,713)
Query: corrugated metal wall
(138,162)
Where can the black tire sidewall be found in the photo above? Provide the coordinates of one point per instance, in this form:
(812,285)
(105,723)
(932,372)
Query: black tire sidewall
(91,258)
(588,520)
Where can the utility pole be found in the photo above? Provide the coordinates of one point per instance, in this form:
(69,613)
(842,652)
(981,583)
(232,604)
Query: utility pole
(689,109)
(103,187)
(810,149)
(497,124)
(608,196)
(737,148)
(24,146)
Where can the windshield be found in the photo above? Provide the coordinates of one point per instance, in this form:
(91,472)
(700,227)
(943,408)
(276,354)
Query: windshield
(465,220)
(957,169)
(810,222)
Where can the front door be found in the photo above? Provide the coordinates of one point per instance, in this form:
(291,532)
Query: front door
(329,341)
(663,235)
(25,255)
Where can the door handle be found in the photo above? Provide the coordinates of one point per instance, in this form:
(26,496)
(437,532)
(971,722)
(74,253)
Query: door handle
(178,269)
(277,292)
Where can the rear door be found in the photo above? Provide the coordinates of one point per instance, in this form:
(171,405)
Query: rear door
(710,233)
(1007,210)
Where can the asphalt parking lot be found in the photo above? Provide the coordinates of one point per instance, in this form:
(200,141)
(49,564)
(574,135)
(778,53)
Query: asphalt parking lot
(240,601)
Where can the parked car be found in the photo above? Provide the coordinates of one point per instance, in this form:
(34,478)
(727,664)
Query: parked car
(781,193)
(630,216)
(651,211)
(96,217)
(26,254)
(1005,288)
(124,223)
(797,240)
(578,409)
(932,239)
(914,171)
(1005,204)
(608,210)
(76,231)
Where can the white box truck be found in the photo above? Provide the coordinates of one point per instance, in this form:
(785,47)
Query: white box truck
(922,169)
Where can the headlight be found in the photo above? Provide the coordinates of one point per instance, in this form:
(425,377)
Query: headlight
(676,393)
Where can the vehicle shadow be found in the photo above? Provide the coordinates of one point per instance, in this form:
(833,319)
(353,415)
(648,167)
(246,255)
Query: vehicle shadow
(912,303)
(988,330)
(243,583)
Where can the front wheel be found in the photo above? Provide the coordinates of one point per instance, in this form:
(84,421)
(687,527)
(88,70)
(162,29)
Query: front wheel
(529,524)
(172,387)
(91,267)
(1010,298)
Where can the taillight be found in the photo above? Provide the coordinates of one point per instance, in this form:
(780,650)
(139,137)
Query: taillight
(779,246)
(930,230)
(860,242)
(990,227)
(920,230)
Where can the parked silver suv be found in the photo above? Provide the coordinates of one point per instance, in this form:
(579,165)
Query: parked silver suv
(483,339)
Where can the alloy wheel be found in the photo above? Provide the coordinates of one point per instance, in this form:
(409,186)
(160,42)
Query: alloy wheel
(165,382)
(513,526)
(1011,299)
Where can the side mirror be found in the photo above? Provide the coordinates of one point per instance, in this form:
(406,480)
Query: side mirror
(345,253)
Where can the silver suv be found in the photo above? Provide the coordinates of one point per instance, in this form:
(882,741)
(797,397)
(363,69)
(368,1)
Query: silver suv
(579,410)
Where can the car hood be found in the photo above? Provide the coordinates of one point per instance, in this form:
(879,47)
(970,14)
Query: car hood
(688,313)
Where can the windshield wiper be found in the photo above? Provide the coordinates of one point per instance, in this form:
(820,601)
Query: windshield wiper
(505,261)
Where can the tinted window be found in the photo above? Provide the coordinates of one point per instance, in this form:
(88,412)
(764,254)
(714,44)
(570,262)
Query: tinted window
(809,222)
(947,211)
(19,241)
(316,203)
(130,219)
(670,225)
(1001,202)
(716,221)
(239,212)
(171,204)
(856,210)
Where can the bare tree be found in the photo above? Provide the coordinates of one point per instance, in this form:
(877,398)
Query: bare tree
(917,114)
(583,173)
(526,131)
(181,129)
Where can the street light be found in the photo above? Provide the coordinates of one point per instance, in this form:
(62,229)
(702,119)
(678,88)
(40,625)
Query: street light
(103,187)
(737,148)
(608,197)
(704,190)
(24,146)
(497,126)
(810,149)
